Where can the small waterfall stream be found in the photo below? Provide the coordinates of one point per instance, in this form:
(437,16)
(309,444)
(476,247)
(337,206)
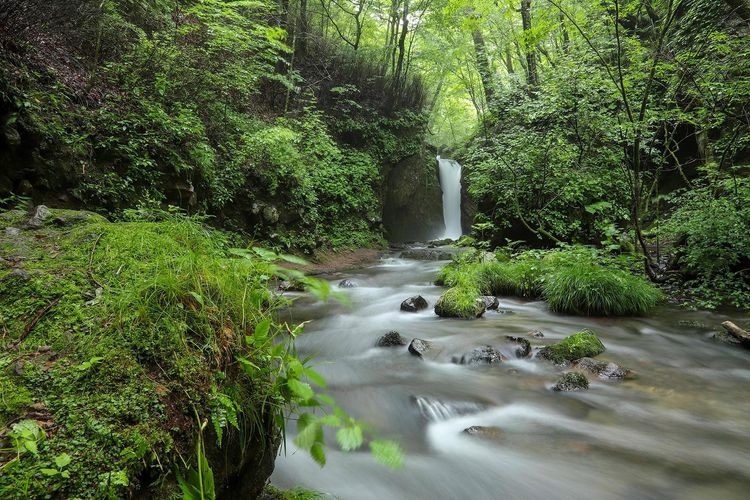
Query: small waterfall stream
(450,182)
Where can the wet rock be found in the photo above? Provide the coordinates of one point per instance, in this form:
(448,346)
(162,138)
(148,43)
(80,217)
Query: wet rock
(435,410)
(391,339)
(414,304)
(291,286)
(12,231)
(525,348)
(419,347)
(536,334)
(484,432)
(347,283)
(427,254)
(38,215)
(603,369)
(739,333)
(490,303)
(484,355)
(571,381)
(443,242)
(726,338)
(581,344)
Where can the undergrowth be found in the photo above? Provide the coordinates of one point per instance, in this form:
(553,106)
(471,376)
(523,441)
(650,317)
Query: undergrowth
(122,340)
(573,280)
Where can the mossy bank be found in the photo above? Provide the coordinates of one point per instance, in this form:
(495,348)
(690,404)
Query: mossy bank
(120,342)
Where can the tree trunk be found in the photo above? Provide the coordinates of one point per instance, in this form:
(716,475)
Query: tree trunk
(532,77)
(402,45)
(483,64)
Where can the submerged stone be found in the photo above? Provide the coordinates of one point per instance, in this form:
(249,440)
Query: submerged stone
(414,304)
(484,355)
(571,381)
(484,432)
(603,369)
(436,410)
(579,345)
(391,339)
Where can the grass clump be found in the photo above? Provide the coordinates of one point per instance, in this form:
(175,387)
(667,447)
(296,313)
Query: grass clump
(589,290)
(583,344)
(574,280)
(460,302)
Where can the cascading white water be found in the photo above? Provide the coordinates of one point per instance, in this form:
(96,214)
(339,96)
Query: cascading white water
(450,182)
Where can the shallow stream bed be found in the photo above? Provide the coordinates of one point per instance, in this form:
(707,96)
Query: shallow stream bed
(679,430)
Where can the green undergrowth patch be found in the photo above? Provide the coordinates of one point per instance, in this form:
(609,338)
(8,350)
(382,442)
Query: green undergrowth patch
(573,280)
(113,335)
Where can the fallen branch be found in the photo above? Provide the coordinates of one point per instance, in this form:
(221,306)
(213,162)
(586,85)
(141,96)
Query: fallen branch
(31,324)
(736,331)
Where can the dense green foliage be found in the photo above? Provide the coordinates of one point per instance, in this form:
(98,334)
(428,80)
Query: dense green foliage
(574,280)
(121,338)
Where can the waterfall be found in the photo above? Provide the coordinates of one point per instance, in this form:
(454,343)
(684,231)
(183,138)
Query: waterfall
(450,182)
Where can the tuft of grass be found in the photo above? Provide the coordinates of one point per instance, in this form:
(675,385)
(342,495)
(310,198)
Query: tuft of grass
(591,290)
(459,302)
(583,344)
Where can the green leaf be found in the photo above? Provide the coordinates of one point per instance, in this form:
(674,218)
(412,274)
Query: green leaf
(349,438)
(62,460)
(318,454)
(198,298)
(266,255)
(388,453)
(300,389)
(262,329)
(315,377)
(49,472)
(31,446)
(307,437)
(293,259)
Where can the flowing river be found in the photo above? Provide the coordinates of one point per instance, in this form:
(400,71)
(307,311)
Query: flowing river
(679,430)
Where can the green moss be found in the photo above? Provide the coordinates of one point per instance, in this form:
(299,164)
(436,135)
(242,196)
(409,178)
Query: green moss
(459,302)
(271,492)
(122,329)
(581,344)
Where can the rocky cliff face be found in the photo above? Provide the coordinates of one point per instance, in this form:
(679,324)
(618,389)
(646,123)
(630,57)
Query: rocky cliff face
(413,206)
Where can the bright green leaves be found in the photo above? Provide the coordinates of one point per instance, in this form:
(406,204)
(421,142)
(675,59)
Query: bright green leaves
(349,438)
(61,462)
(26,436)
(388,453)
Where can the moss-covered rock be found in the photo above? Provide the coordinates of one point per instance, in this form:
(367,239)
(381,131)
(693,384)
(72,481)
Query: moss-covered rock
(581,344)
(117,341)
(571,381)
(460,302)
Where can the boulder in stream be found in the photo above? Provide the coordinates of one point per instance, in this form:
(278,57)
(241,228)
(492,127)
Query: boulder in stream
(484,355)
(491,303)
(414,304)
(525,348)
(581,344)
(291,286)
(459,302)
(418,347)
(391,339)
(603,369)
(347,283)
(571,381)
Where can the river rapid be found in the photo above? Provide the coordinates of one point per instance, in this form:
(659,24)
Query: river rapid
(679,430)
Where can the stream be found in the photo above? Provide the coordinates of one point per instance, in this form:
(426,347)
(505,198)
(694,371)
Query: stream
(679,430)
